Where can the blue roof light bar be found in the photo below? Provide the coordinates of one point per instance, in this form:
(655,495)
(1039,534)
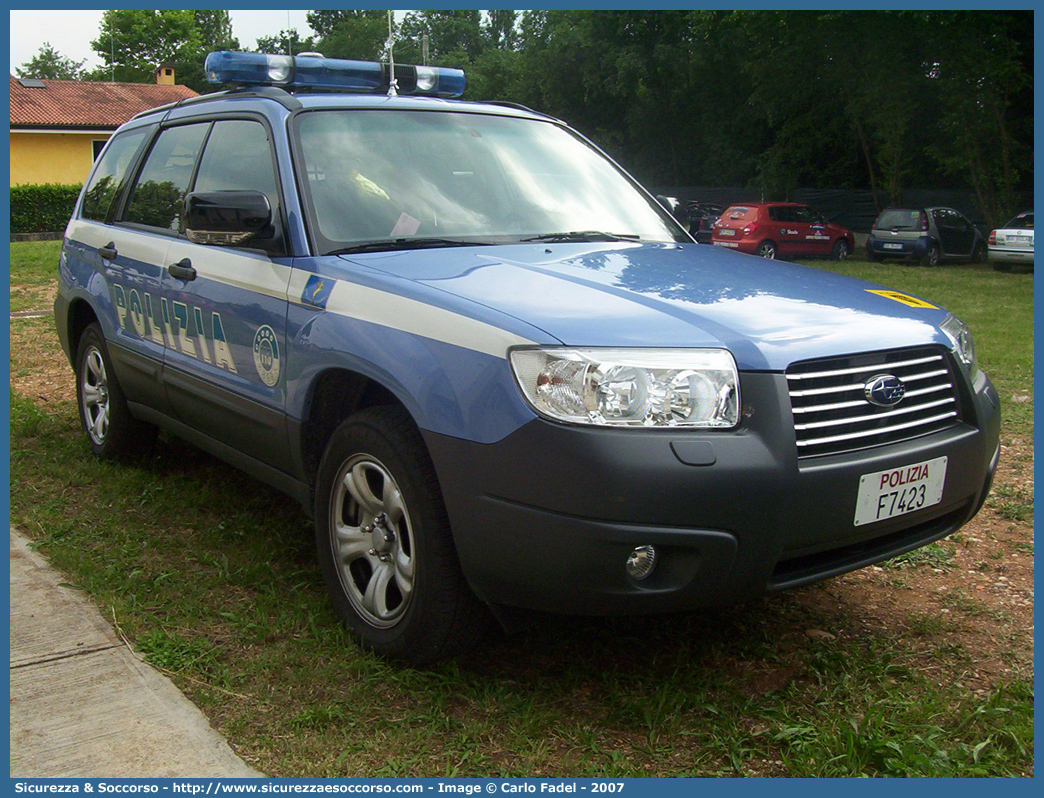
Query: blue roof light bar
(317,73)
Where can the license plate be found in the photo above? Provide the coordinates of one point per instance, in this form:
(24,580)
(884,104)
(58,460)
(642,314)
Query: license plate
(1020,239)
(726,232)
(897,491)
(893,246)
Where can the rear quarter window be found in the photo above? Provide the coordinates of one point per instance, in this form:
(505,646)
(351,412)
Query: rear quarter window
(110,175)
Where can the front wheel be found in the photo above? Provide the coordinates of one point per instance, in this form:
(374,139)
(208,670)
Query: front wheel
(840,250)
(111,429)
(767,249)
(385,545)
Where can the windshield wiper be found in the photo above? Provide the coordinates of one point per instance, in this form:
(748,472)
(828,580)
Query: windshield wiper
(583,236)
(395,244)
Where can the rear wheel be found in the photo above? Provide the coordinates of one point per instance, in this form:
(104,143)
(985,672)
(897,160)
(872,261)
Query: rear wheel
(933,256)
(1001,266)
(385,545)
(840,250)
(111,429)
(979,253)
(767,249)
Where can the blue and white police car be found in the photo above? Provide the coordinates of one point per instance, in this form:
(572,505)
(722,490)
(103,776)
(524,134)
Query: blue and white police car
(494,368)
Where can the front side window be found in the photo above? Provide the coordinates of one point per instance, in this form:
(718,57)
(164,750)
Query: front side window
(158,197)
(111,174)
(391,176)
(238,158)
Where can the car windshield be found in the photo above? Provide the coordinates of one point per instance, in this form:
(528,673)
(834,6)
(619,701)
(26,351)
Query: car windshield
(389,179)
(899,219)
(1022,222)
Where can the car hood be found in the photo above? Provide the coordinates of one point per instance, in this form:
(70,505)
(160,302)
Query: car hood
(767,313)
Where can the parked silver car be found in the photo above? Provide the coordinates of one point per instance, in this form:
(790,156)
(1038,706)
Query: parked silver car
(928,235)
(1013,243)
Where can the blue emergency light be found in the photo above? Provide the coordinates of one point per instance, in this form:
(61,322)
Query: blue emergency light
(312,72)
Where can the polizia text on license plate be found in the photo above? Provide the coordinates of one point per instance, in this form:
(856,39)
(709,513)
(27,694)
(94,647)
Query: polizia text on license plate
(897,491)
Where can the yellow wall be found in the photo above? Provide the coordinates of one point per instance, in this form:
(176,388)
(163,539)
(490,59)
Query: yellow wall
(52,157)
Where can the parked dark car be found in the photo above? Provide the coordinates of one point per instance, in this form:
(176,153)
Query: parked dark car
(928,235)
(781,229)
(701,217)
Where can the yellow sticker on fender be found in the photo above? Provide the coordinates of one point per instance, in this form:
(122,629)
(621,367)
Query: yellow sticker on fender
(906,299)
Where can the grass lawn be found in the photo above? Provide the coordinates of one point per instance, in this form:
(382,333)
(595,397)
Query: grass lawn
(922,667)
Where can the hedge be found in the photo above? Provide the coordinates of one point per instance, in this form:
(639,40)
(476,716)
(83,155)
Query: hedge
(42,208)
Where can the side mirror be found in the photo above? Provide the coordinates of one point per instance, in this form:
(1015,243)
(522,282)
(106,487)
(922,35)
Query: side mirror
(675,209)
(227,218)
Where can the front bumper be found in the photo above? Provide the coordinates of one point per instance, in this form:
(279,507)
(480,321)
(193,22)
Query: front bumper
(546,518)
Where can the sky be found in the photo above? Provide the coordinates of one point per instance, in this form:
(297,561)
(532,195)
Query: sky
(70,31)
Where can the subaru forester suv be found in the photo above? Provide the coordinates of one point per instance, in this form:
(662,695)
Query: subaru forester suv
(493,367)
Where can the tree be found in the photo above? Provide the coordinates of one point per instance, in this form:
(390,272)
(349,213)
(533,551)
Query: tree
(132,43)
(49,63)
(287,42)
(360,35)
(982,64)
(455,38)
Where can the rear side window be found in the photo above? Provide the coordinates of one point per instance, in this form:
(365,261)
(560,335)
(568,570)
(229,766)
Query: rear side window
(111,174)
(1023,222)
(158,196)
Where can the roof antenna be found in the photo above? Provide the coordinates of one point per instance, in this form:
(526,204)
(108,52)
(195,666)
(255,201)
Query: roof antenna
(393,84)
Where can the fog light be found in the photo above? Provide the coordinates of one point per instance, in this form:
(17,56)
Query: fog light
(641,561)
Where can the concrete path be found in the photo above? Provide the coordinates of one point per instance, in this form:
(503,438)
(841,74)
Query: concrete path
(83,705)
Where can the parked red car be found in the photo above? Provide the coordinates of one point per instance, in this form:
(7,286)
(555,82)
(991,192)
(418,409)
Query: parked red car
(781,230)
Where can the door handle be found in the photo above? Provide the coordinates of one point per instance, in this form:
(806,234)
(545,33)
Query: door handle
(108,252)
(182,270)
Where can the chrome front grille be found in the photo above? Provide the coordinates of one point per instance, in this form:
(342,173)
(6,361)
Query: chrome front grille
(832,413)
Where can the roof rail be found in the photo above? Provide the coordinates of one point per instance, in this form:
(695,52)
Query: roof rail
(281,96)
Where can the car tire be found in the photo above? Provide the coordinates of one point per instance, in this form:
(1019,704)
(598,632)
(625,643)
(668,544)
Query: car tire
(111,429)
(933,257)
(979,253)
(840,250)
(767,249)
(385,546)
(872,256)
(1001,266)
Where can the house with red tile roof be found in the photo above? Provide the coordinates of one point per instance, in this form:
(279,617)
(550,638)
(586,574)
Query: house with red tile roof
(58,127)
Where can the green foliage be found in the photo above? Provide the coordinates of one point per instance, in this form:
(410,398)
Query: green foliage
(49,63)
(131,43)
(285,42)
(360,35)
(43,208)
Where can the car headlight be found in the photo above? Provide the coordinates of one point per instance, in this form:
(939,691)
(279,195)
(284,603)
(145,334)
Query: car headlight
(631,387)
(963,343)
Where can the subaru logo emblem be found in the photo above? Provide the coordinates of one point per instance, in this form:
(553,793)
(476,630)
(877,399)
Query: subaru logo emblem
(884,390)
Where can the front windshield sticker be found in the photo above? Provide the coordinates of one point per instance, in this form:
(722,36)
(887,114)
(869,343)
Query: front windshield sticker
(906,299)
(406,225)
